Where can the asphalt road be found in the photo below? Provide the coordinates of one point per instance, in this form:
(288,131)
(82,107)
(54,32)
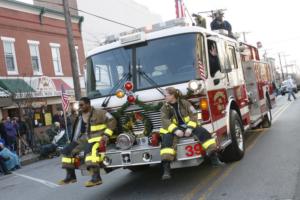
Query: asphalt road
(269,171)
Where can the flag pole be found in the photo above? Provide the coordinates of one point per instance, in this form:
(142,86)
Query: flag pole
(66,126)
(65,102)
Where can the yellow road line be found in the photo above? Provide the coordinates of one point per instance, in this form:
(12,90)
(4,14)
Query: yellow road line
(278,115)
(191,194)
(281,108)
(201,184)
(229,170)
(218,181)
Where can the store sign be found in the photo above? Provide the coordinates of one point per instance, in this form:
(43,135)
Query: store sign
(44,87)
(38,104)
(45,84)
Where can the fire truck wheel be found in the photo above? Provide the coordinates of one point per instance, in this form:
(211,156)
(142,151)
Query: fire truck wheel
(138,168)
(267,120)
(235,151)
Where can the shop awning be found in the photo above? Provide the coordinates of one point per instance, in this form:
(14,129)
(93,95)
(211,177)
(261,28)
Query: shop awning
(5,98)
(59,82)
(4,93)
(15,85)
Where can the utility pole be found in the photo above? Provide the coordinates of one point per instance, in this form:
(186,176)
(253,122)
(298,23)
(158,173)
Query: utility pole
(72,50)
(281,67)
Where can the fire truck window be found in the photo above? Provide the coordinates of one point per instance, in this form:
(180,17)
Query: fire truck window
(120,71)
(214,62)
(102,76)
(106,69)
(232,58)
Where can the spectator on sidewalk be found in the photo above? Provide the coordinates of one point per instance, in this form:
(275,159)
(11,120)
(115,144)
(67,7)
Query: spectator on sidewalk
(58,139)
(3,167)
(22,132)
(3,134)
(12,160)
(30,126)
(59,117)
(11,133)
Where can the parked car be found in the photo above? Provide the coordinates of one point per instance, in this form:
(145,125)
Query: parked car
(283,88)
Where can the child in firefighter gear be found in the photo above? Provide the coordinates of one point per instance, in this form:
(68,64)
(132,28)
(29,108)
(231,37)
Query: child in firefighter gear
(179,119)
(92,127)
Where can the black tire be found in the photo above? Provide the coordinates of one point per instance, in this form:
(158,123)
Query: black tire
(138,168)
(267,120)
(235,151)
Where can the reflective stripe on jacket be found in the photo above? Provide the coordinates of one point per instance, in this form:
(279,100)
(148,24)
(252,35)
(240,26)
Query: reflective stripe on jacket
(169,118)
(101,122)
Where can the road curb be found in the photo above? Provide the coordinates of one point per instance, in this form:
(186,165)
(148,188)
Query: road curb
(29,159)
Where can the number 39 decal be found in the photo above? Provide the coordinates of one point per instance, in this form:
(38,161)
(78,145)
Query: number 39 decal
(193,150)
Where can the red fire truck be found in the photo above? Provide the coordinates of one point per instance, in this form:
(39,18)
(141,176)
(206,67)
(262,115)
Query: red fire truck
(126,76)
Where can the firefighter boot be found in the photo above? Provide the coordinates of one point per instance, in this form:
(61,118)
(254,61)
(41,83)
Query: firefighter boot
(96,178)
(70,177)
(215,161)
(167,170)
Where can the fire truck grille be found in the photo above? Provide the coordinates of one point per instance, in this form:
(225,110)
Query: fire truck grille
(138,127)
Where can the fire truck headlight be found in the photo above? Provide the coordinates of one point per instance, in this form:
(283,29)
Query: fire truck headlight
(125,141)
(193,85)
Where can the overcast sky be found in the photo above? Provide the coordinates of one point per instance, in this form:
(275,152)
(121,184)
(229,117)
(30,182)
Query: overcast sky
(271,22)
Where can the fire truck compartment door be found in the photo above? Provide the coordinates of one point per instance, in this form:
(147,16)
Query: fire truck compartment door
(251,85)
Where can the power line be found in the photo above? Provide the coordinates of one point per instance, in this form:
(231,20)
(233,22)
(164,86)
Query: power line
(97,16)
(88,13)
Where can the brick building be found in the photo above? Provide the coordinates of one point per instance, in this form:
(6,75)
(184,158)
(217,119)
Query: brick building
(34,58)
(57,5)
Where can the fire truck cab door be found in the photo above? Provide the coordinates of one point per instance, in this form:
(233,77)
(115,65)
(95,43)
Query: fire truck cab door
(215,54)
(233,65)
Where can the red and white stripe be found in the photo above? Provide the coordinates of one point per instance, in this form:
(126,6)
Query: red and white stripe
(64,99)
(201,70)
(180,11)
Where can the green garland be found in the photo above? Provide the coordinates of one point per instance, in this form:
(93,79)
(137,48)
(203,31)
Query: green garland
(132,118)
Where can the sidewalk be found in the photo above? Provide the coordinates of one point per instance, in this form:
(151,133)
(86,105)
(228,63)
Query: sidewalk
(29,158)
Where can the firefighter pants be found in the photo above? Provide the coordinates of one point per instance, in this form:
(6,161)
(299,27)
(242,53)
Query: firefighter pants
(168,145)
(90,146)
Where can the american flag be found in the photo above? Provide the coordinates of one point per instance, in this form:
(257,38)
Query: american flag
(180,10)
(64,99)
(201,70)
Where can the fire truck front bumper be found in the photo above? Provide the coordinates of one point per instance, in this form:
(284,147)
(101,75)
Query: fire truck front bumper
(187,149)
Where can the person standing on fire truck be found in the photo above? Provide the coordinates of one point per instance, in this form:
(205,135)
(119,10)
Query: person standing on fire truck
(96,126)
(179,119)
(219,23)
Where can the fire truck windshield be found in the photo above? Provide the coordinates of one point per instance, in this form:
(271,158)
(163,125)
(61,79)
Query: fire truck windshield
(105,70)
(166,61)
